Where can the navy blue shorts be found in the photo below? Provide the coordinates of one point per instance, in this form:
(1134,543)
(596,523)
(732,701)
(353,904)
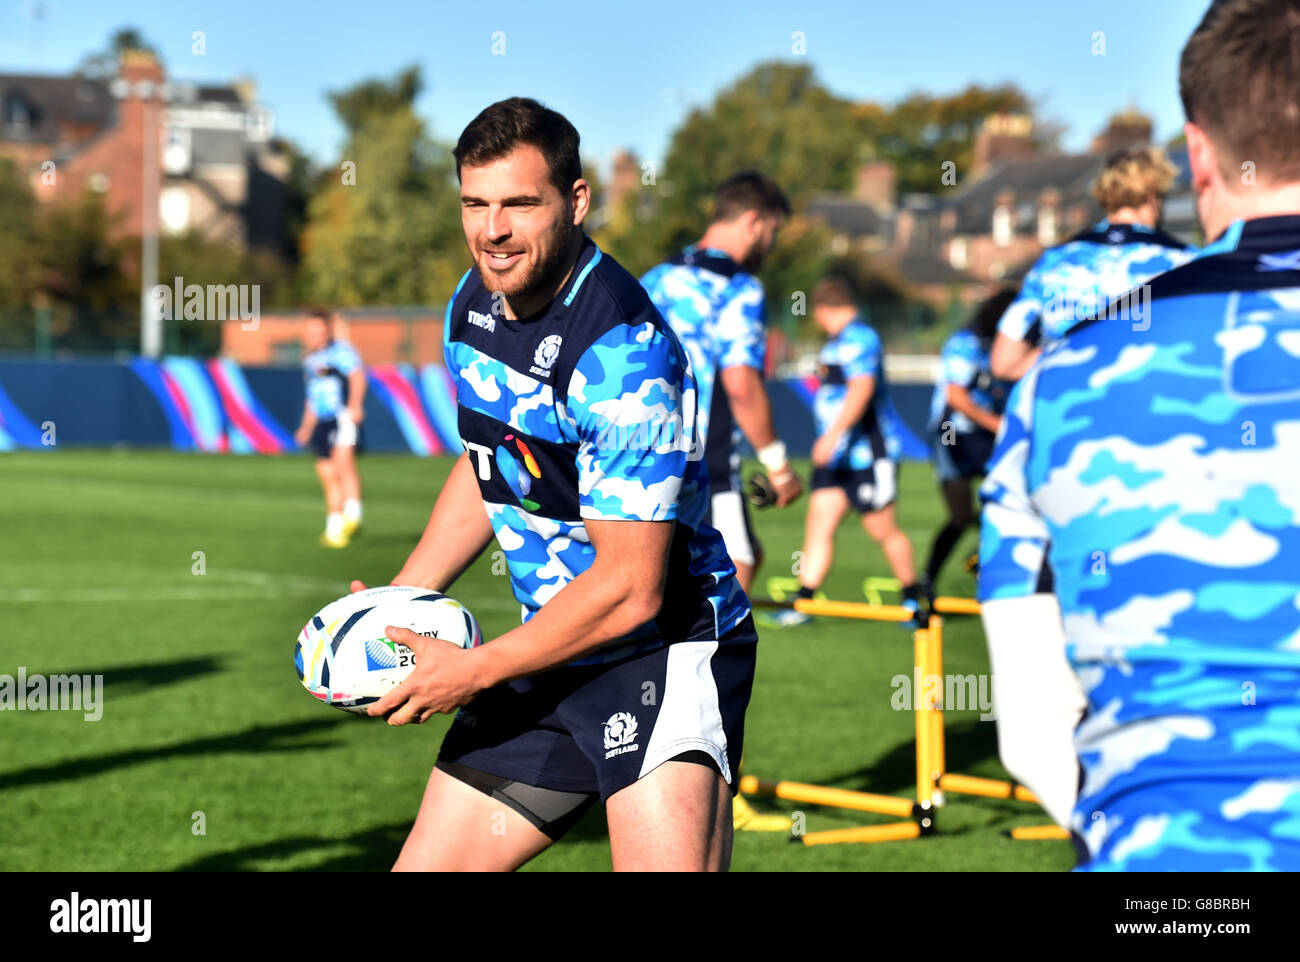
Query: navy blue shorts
(599,728)
(966,458)
(326,435)
(868,489)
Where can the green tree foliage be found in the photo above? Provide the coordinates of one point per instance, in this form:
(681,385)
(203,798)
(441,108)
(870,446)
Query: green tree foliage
(779,119)
(922,132)
(104,63)
(18,274)
(386,229)
(198,260)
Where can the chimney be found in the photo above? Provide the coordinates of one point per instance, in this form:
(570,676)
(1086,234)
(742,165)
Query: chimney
(138,89)
(626,178)
(1003,136)
(875,183)
(1129,129)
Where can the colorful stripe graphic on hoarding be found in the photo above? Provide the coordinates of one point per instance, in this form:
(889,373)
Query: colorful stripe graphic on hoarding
(394,383)
(439,394)
(249,427)
(15,429)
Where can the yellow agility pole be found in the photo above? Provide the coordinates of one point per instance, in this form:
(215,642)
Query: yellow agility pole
(932,778)
(1033,833)
(987,787)
(895,832)
(934,713)
(920,812)
(956,606)
(921,711)
(832,797)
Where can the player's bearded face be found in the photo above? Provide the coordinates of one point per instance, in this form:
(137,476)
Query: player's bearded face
(517,224)
(762,240)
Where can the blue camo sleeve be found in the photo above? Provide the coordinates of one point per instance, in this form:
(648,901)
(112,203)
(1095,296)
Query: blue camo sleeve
(1013,535)
(739,326)
(861,352)
(345,357)
(960,361)
(448,352)
(631,406)
(1027,308)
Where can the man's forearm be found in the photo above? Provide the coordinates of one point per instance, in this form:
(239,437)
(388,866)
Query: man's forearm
(357,390)
(856,402)
(591,611)
(960,400)
(1010,359)
(457,533)
(750,406)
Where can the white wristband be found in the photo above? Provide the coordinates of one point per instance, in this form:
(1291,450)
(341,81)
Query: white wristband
(773,456)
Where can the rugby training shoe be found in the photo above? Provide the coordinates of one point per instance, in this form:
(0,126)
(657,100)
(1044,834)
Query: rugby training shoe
(335,542)
(785,618)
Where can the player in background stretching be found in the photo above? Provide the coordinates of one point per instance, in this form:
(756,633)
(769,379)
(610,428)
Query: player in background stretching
(855,456)
(1152,462)
(713,301)
(964,416)
(335,383)
(630,675)
(1080,277)
(711,297)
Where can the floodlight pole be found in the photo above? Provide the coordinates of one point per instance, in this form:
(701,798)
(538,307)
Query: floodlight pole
(151,327)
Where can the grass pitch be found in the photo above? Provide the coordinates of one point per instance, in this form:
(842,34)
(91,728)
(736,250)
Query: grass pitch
(183,580)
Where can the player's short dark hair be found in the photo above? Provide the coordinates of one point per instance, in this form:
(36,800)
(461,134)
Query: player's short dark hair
(990,311)
(746,191)
(506,124)
(320,313)
(833,290)
(1239,80)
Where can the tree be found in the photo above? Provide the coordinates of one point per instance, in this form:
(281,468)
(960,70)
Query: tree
(18,273)
(776,118)
(386,229)
(922,132)
(104,63)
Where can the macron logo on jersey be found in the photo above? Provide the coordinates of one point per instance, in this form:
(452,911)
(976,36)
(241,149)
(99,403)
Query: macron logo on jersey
(544,357)
(485,321)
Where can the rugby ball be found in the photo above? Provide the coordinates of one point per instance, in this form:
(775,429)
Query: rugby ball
(344,658)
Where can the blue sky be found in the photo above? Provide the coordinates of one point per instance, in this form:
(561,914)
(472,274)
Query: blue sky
(627,73)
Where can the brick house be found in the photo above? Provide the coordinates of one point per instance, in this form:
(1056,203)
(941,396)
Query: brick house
(205,151)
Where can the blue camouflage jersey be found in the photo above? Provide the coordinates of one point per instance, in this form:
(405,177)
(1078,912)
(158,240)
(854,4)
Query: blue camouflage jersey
(587,411)
(716,309)
(964,362)
(1079,278)
(325,377)
(1155,465)
(855,352)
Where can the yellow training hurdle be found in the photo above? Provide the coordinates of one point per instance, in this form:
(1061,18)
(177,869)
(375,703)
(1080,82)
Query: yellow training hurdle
(932,777)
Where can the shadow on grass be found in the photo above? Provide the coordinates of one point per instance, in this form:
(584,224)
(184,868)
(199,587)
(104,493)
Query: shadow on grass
(263,738)
(132,679)
(371,850)
(965,747)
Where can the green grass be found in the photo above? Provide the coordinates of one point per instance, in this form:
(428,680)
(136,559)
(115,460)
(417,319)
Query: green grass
(203,711)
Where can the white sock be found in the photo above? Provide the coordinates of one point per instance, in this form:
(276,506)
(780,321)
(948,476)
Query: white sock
(352,509)
(334,525)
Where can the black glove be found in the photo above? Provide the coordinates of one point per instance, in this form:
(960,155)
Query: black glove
(759,490)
